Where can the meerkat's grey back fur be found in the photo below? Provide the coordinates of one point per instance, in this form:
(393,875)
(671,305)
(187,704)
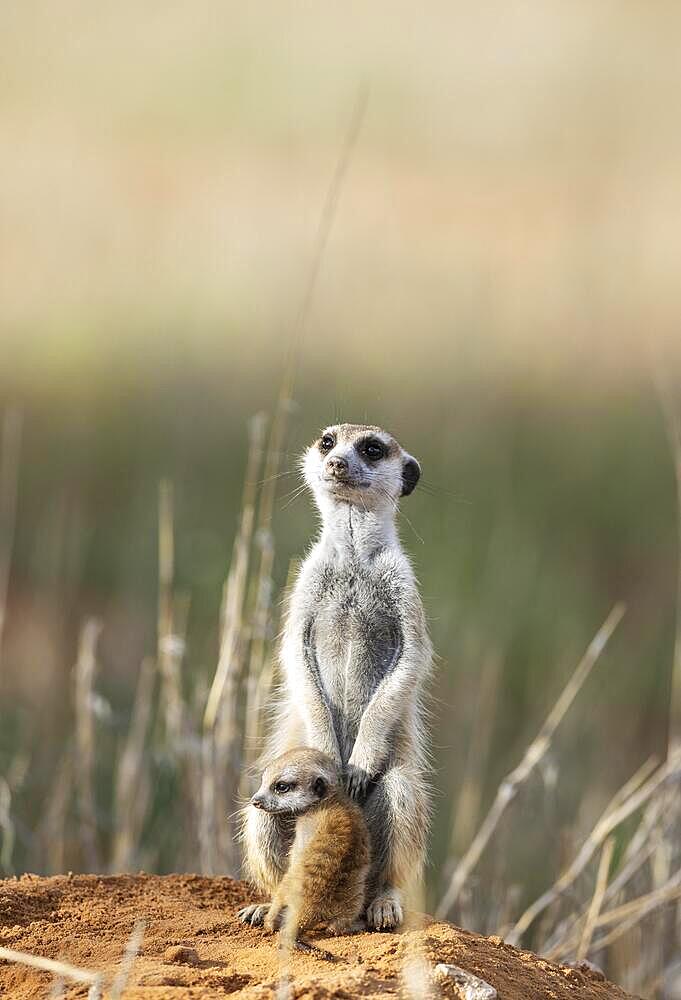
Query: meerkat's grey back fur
(355,656)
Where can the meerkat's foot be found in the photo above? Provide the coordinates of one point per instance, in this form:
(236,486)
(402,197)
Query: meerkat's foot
(254,914)
(385,912)
(275,917)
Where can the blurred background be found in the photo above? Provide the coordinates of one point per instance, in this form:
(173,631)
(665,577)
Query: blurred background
(499,288)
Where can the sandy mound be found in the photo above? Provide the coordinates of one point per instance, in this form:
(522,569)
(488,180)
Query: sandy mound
(194,946)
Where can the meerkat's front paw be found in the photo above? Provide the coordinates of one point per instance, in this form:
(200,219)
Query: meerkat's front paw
(358,783)
(254,914)
(275,918)
(385,913)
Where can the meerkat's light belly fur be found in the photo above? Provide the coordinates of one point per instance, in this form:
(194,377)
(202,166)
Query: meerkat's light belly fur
(353,641)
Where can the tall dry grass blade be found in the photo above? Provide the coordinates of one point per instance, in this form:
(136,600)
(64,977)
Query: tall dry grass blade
(131,793)
(564,938)
(235,592)
(50,846)
(596,900)
(85,669)
(534,753)
(668,854)
(56,988)
(50,965)
(672,416)
(9,482)
(632,913)
(170,640)
(619,809)
(467,810)
(129,956)
(7,831)
(222,733)
(263,587)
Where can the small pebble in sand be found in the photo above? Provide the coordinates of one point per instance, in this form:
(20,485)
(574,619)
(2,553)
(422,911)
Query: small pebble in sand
(468,986)
(181,955)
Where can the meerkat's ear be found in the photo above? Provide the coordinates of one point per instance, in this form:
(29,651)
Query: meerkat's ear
(411,473)
(319,788)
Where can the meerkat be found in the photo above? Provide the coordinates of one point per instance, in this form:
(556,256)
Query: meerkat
(325,878)
(355,655)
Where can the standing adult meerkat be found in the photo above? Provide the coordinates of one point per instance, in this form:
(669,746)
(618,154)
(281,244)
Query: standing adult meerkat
(355,654)
(328,862)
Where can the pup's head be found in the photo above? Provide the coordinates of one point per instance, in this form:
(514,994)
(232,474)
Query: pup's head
(359,464)
(296,782)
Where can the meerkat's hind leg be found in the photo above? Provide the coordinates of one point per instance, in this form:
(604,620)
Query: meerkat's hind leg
(254,914)
(397,814)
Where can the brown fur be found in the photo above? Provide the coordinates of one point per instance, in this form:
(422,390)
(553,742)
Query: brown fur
(328,862)
(326,878)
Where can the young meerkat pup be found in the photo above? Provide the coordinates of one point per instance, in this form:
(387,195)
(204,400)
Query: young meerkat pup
(328,861)
(355,655)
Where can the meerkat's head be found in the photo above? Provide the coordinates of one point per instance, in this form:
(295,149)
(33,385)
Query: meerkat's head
(359,464)
(296,782)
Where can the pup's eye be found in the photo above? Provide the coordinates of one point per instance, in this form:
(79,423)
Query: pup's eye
(374,450)
(327,442)
(282,787)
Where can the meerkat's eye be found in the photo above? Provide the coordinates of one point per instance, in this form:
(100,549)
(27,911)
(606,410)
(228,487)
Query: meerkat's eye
(374,449)
(327,442)
(282,787)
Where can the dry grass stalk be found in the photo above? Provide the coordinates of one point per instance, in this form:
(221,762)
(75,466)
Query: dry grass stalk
(235,590)
(262,604)
(9,481)
(630,914)
(672,415)
(222,734)
(51,842)
(56,988)
(131,952)
(626,801)
(596,900)
(131,794)
(535,752)
(468,805)
(6,827)
(85,668)
(171,643)
(639,849)
(62,969)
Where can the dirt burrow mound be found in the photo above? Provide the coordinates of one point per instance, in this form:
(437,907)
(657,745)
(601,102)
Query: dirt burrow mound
(194,946)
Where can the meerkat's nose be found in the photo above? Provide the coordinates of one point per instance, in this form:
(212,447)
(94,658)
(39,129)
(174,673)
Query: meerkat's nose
(337,466)
(257,801)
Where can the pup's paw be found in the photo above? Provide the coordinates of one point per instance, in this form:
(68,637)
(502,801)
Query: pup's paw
(254,914)
(385,913)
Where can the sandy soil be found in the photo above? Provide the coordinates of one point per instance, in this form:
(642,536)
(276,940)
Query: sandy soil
(87,920)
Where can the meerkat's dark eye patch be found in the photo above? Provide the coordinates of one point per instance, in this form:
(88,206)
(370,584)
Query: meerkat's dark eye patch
(411,473)
(319,788)
(326,443)
(282,787)
(372,448)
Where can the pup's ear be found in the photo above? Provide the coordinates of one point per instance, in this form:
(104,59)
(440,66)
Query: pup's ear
(319,788)
(411,473)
